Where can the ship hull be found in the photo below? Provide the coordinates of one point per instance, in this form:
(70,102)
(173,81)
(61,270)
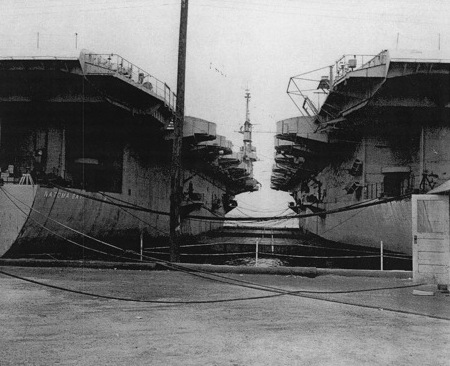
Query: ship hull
(40,220)
(389,223)
(14,214)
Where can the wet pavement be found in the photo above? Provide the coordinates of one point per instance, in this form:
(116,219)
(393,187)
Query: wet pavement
(218,319)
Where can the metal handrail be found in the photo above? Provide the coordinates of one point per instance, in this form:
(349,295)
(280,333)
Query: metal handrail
(115,64)
(342,66)
(311,84)
(40,58)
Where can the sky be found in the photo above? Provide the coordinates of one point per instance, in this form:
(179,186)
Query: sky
(232,45)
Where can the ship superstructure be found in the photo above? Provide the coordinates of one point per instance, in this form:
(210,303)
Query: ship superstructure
(85,151)
(247,151)
(374,129)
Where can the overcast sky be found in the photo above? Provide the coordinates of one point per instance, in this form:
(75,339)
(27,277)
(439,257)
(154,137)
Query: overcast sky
(232,45)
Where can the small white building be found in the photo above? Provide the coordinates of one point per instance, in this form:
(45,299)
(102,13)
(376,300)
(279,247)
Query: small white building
(431,236)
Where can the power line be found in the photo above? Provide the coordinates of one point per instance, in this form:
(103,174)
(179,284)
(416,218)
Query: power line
(320,10)
(339,12)
(75,7)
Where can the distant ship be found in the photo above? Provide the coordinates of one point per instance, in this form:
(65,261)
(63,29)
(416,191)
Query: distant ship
(85,152)
(373,130)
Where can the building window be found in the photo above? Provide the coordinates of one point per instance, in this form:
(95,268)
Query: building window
(395,184)
(396,180)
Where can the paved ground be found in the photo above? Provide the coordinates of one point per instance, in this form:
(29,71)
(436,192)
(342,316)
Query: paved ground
(46,326)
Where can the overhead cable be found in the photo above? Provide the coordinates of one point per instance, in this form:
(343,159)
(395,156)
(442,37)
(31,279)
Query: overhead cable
(264,218)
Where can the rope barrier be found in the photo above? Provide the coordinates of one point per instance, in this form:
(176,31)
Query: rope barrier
(215,254)
(64,238)
(57,222)
(197,254)
(139,300)
(137,217)
(286,255)
(169,265)
(262,288)
(393,255)
(219,278)
(121,257)
(206,254)
(197,273)
(320,257)
(302,294)
(227,280)
(250,219)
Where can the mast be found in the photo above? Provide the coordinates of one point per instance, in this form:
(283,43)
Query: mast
(175,170)
(247,131)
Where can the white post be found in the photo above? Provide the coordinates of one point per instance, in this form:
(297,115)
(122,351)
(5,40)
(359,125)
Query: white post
(381,254)
(256,253)
(272,243)
(142,244)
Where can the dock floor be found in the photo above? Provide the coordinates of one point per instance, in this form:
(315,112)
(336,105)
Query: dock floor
(42,325)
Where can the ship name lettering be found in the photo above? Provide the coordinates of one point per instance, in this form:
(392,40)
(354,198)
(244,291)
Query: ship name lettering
(61,195)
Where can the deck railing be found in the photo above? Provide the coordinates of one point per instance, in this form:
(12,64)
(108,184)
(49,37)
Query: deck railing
(104,64)
(349,63)
(373,190)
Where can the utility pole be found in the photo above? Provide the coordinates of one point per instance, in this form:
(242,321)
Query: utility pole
(175,171)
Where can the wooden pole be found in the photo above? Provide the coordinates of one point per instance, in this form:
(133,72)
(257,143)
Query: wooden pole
(175,172)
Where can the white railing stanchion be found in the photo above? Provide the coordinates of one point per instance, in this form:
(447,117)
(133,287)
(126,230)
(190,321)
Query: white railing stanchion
(256,252)
(381,255)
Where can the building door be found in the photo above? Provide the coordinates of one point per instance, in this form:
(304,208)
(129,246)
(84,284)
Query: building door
(431,239)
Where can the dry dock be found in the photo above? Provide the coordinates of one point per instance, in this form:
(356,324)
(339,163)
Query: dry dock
(199,321)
